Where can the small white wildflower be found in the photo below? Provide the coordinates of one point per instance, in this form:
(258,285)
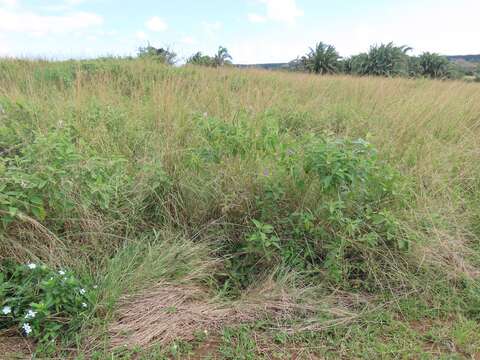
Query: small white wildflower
(60,123)
(82,291)
(84,305)
(23,184)
(6,310)
(27,328)
(32,266)
(95,286)
(30,314)
(61,272)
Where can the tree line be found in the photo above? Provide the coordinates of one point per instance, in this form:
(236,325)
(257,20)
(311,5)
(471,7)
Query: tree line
(167,56)
(380,60)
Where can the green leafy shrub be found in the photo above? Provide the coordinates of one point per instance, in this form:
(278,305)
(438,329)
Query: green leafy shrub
(346,227)
(42,303)
(60,76)
(47,178)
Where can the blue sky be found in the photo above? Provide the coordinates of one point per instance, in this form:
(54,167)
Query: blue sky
(253,30)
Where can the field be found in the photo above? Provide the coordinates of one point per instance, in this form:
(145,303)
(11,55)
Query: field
(238,213)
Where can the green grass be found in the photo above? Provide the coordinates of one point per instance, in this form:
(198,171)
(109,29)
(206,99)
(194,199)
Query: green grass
(357,198)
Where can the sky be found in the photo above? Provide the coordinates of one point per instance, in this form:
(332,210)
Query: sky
(254,31)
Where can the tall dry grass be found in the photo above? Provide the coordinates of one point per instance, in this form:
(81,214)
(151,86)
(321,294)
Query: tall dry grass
(143,111)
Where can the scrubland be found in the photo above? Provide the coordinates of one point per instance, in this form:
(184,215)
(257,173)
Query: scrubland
(238,214)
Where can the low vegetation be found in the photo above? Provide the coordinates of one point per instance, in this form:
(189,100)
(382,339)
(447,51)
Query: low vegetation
(258,214)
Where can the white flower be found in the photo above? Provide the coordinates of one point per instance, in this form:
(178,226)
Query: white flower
(27,328)
(61,272)
(95,286)
(32,266)
(84,305)
(82,291)
(6,310)
(30,314)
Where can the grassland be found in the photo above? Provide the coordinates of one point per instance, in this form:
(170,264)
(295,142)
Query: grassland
(245,214)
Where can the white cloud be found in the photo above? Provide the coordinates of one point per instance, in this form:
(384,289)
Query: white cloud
(31,23)
(156,24)
(141,35)
(255,18)
(8,3)
(282,10)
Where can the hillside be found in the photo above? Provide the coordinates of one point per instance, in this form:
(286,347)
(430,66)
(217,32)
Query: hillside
(268,66)
(469,58)
(166,212)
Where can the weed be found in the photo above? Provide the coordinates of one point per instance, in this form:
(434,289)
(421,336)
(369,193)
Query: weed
(42,303)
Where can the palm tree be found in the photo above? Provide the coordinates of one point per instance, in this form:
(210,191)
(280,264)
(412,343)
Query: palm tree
(434,65)
(323,59)
(386,60)
(222,57)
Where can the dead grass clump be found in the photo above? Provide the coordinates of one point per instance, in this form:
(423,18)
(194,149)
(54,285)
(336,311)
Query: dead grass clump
(167,313)
(449,253)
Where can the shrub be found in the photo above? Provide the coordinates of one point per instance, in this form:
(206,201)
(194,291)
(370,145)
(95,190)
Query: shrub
(165,56)
(49,176)
(200,59)
(346,227)
(42,303)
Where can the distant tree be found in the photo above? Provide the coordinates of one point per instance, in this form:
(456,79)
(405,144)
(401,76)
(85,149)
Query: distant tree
(298,64)
(356,64)
(323,59)
(200,59)
(384,60)
(222,57)
(413,66)
(434,66)
(164,55)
